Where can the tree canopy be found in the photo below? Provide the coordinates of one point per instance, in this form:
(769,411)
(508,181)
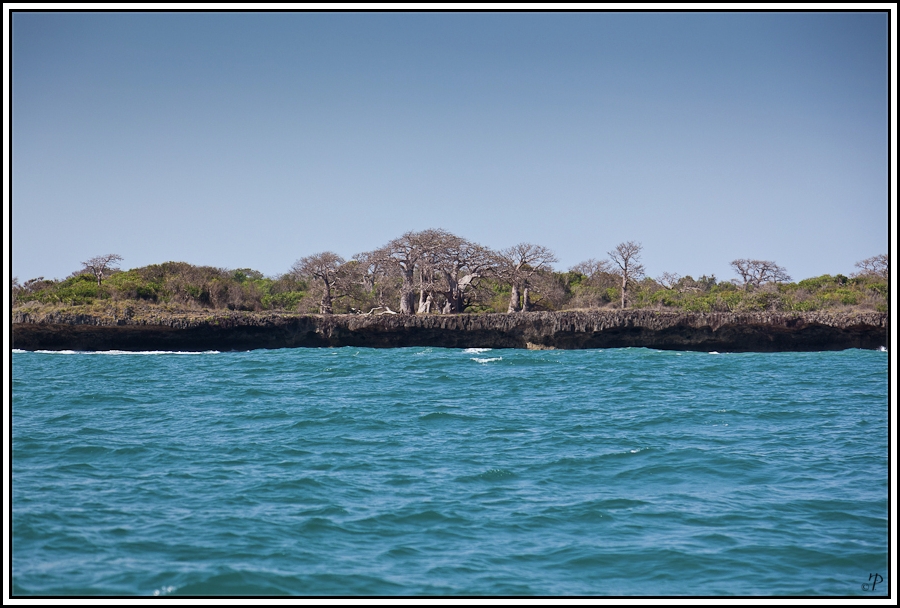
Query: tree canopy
(436,272)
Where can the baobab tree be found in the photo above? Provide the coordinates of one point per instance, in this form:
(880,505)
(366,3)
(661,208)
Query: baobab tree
(324,267)
(372,275)
(517,265)
(754,273)
(669,280)
(439,265)
(876,265)
(427,271)
(627,257)
(592,290)
(101,265)
(592,268)
(461,263)
(405,255)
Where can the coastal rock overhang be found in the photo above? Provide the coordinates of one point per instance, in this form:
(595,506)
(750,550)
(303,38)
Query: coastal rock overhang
(723,332)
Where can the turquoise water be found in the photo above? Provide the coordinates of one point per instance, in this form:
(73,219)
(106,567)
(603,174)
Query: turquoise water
(427,471)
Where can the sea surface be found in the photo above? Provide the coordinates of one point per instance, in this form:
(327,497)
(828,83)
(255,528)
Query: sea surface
(429,471)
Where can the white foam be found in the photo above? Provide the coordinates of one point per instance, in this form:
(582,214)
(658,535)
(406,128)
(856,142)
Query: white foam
(164,590)
(880,348)
(714,352)
(477,350)
(487,360)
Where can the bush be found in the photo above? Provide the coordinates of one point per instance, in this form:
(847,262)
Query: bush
(130,285)
(817,283)
(844,297)
(289,300)
(81,289)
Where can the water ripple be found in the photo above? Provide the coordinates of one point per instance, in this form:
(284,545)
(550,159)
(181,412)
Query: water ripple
(429,471)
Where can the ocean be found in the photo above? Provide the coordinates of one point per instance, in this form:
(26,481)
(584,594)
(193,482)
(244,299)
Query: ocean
(450,472)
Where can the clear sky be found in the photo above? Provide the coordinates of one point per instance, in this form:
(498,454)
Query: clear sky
(251,140)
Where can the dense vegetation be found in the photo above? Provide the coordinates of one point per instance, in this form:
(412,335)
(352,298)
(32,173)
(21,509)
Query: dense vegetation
(447,274)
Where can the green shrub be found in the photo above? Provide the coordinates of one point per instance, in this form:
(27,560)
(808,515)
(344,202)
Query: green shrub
(81,289)
(817,283)
(130,285)
(805,305)
(698,304)
(845,297)
(729,300)
(288,300)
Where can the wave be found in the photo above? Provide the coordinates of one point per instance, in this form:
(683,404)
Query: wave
(605,461)
(487,360)
(489,475)
(477,350)
(120,352)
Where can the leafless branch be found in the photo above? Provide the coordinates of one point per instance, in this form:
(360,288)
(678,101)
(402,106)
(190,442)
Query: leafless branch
(627,257)
(874,266)
(101,265)
(754,273)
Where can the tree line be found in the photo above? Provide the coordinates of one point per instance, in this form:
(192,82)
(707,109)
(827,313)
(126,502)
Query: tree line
(436,272)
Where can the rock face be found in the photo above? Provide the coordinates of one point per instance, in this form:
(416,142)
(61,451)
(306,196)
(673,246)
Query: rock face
(763,332)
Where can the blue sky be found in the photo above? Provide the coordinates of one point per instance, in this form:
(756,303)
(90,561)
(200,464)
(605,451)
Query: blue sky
(251,140)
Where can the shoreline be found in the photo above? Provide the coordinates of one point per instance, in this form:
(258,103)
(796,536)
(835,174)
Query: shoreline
(240,331)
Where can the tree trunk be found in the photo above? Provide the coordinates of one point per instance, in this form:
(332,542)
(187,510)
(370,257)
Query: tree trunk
(624,284)
(422,304)
(407,294)
(421,308)
(406,303)
(459,291)
(459,303)
(452,293)
(526,305)
(514,299)
(325,308)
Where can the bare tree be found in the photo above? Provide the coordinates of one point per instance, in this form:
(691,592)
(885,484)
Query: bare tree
(372,274)
(432,244)
(876,265)
(405,255)
(400,256)
(461,263)
(593,290)
(669,280)
(517,265)
(323,266)
(591,268)
(627,256)
(102,264)
(754,273)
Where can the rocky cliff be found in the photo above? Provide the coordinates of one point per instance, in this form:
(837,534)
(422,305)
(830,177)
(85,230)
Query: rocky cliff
(565,330)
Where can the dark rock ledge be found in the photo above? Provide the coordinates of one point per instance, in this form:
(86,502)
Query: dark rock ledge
(762,332)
